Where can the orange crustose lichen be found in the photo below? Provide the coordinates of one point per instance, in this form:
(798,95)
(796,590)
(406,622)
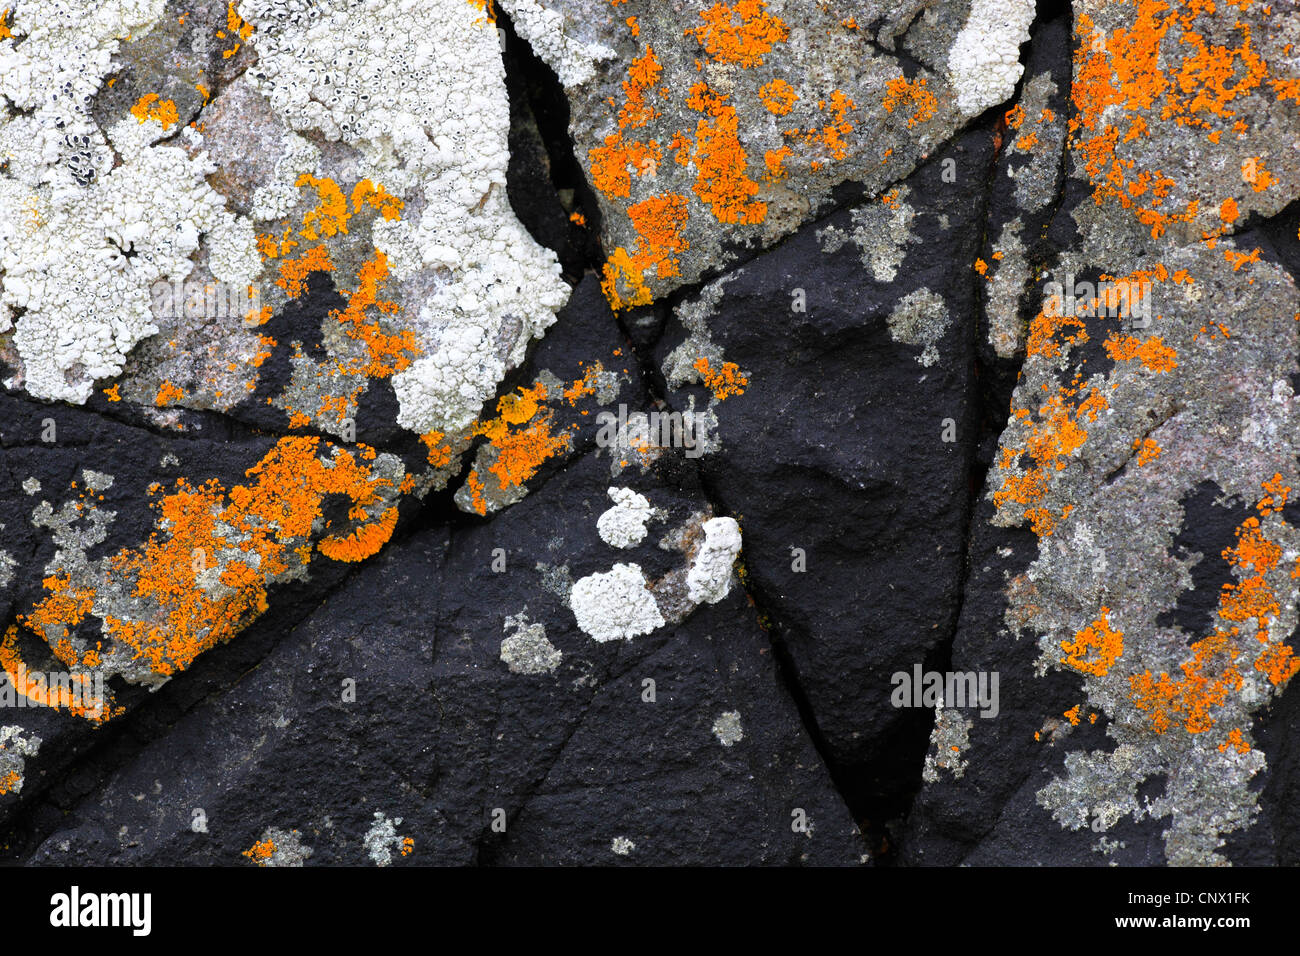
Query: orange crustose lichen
(778,96)
(740,32)
(724,381)
(723,181)
(150,107)
(1095,648)
(203,574)
(914,95)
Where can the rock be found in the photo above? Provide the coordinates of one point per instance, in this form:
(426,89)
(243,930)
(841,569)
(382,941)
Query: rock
(845,455)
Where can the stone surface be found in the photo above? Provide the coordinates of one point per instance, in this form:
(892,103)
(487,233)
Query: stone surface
(720,432)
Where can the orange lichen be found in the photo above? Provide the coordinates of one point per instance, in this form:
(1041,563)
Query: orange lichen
(330,217)
(522,437)
(612,164)
(75,696)
(439,455)
(1208,678)
(1095,648)
(260,852)
(1235,741)
(774,160)
(1152,352)
(294,272)
(723,181)
(1147,451)
(778,96)
(150,107)
(387,354)
(642,75)
(270,519)
(1072,715)
(724,381)
(833,134)
(267,345)
(1277,496)
(1052,440)
(362,541)
(584,386)
(1239,259)
(914,95)
(366,193)
(1135,74)
(619,272)
(658,221)
(740,32)
(236,29)
(168,393)
(112,394)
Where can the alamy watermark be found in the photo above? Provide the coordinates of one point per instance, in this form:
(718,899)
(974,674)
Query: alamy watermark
(205,300)
(953,689)
(643,431)
(81,693)
(1126,299)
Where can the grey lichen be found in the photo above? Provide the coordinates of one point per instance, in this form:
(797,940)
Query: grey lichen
(920,318)
(525,650)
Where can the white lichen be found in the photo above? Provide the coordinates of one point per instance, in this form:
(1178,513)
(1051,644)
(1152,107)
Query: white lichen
(573,61)
(286,849)
(622,846)
(419,91)
(709,579)
(382,840)
(615,605)
(90,219)
(623,525)
(16,745)
(920,318)
(984,62)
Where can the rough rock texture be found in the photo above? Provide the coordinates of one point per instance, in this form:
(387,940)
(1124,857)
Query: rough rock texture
(631,433)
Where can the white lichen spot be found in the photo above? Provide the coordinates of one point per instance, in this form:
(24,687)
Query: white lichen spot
(709,579)
(623,525)
(1008,281)
(727,728)
(527,651)
(615,605)
(383,840)
(31,486)
(881,231)
(984,62)
(622,846)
